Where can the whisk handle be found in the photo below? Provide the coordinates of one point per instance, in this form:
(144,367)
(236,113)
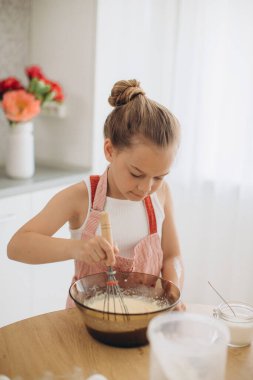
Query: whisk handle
(106,230)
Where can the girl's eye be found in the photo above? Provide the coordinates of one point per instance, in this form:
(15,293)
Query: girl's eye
(135,175)
(140,176)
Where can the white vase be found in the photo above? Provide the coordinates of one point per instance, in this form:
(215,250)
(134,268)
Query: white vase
(19,161)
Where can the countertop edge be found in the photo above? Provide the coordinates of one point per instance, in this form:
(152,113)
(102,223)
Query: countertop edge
(44,177)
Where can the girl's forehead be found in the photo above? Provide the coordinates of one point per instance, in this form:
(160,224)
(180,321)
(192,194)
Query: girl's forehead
(149,157)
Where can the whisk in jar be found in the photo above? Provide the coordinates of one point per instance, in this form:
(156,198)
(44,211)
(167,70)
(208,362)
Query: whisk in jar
(113,299)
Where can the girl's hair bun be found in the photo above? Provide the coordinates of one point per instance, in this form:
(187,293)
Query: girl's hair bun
(123,91)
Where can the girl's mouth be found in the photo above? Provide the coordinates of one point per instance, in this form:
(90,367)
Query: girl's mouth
(139,196)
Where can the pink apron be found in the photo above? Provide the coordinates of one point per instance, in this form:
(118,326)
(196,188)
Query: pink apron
(148,255)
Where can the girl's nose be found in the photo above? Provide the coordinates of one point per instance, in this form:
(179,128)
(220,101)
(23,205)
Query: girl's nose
(145,187)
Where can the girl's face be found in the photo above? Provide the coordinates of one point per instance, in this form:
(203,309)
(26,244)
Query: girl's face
(137,171)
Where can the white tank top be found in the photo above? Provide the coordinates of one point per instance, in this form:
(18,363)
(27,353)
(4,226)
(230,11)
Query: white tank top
(129,221)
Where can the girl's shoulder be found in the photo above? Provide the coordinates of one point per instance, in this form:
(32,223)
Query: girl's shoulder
(75,193)
(78,196)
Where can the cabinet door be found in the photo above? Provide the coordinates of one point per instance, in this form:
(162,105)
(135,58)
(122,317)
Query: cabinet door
(50,281)
(15,277)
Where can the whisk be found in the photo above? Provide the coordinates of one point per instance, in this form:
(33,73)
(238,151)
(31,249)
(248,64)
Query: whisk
(113,294)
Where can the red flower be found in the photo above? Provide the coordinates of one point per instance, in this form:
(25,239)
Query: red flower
(21,103)
(9,84)
(34,72)
(56,88)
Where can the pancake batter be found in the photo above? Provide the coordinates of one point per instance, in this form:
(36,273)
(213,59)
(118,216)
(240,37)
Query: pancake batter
(134,304)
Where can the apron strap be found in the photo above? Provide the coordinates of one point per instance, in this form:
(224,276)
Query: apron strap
(98,191)
(94,179)
(98,195)
(151,215)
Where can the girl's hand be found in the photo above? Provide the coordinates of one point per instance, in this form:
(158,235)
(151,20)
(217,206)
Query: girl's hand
(180,307)
(95,250)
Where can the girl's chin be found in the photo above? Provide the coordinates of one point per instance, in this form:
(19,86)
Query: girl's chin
(135,197)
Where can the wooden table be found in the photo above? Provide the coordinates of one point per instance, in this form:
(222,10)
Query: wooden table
(58,342)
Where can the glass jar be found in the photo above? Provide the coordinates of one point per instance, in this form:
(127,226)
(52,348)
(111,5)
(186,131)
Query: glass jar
(240,325)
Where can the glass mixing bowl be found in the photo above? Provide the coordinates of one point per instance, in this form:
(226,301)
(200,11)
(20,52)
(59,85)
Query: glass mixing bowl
(118,329)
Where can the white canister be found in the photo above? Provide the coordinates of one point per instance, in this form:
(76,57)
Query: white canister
(187,346)
(240,324)
(19,159)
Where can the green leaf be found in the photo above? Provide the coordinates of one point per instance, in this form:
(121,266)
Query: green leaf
(32,85)
(50,96)
(43,87)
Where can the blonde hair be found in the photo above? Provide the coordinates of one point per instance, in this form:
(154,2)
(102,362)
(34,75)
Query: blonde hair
(135,114)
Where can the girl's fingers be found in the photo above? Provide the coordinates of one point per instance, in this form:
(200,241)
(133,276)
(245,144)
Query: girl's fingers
(99,249)
(95,256)
(116,249)
(180,307)
(107,249)
(99,254)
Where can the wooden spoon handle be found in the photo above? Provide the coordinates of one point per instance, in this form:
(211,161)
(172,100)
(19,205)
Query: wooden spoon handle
(106,230)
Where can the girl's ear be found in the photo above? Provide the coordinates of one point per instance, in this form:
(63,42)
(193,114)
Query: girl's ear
(108,150)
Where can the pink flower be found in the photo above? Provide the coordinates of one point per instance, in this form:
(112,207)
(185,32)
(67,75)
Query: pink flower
(20,106)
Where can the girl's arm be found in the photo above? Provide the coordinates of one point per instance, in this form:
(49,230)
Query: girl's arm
(33,243)
(172,263)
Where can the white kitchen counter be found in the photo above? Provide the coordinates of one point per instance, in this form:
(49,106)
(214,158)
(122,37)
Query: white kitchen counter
(44,177)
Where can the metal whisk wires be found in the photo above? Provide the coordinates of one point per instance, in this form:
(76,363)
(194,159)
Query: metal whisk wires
(114,299)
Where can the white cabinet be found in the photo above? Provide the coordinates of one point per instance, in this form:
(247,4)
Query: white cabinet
(50,281)
(15,278)
(27,290)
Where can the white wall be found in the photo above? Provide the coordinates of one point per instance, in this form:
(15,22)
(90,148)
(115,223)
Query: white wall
(14,48)
(130,44)
(63,44)
(166,45)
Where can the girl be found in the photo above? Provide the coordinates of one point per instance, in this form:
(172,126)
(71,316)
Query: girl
(141,139)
